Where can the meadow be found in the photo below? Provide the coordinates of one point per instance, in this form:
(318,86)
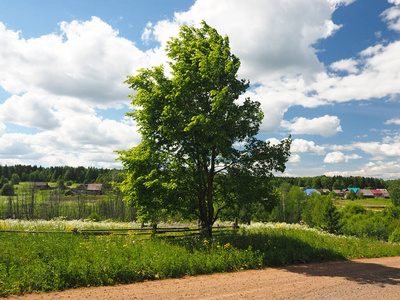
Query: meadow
(28,203)
(31,262)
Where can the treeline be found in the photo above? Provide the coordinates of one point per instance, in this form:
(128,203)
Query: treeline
(26,173)
(334,183)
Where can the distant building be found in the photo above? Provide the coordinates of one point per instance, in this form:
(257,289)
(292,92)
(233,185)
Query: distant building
(324,191)
(309,191)
(377,193)
(365,193)
(385,193)
(41,186)
(339,192)
(94,188)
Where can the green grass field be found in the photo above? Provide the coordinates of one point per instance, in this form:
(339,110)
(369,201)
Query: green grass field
(372,204)
(45,262)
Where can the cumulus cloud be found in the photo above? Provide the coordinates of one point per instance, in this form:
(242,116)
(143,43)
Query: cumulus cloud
(392,16)
(348,65)
(325,126)
(379,71)
(29,110)
(338,157)
(294,159)
(307,147)
(2,128)
(372,169)
(86,60)
(271,37)
(380,150)
(393,121)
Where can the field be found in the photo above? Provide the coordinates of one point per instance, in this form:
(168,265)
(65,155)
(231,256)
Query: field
(46,262)
(377,204)
(48,204)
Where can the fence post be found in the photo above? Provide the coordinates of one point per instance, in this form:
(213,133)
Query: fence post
(235,224)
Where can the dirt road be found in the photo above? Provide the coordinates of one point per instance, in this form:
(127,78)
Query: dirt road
(358,279)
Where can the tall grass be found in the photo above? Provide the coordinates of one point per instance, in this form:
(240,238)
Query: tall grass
(41,262)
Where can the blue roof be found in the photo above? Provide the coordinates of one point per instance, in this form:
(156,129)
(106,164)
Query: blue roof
(309,191)
(353,189)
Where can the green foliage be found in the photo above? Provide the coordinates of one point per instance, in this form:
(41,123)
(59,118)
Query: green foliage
(394,190)
(351,195)
(356,220)
(52,174)
(321,213)
(395,236)
(15,179)
(337,182)
(3,180)
(35,262)
(94,217)
(7,190)
(353,209)
(191,122)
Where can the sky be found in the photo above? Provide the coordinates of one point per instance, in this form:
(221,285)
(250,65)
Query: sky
(326,72)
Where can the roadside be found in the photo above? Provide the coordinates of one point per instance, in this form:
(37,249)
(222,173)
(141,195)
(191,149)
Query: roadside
(377,278)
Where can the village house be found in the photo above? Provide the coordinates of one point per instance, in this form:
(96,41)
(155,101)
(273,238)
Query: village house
(94,188)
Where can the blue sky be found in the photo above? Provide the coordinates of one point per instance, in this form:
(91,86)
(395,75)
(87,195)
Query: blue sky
(325,71)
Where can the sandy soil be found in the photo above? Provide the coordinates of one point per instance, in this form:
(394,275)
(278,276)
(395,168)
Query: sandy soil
(358,279)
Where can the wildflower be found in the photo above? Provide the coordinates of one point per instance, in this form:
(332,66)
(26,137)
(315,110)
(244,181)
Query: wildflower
(227,246)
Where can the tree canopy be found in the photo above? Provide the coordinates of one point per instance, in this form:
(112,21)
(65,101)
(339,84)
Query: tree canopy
(198,153)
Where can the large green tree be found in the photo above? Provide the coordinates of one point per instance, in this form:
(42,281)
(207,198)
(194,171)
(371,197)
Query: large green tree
(198,150)
(394,191)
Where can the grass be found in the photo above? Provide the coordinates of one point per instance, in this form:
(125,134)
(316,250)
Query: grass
(373,204)
(32,262)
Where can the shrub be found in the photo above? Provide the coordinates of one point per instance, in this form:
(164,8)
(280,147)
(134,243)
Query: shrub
(7,190)
(395,236)
(94,217)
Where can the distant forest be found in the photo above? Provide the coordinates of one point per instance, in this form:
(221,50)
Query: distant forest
(100,175)
(56,174)
(335,182)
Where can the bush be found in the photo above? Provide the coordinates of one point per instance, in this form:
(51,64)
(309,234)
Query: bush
(7,190)
(94,217)
(395,236)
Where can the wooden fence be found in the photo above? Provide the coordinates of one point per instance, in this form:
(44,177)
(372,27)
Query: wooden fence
(143,232)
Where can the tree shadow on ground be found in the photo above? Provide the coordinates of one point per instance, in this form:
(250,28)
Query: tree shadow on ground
(279,250)
(357,271)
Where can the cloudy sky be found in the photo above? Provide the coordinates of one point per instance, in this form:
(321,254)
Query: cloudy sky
(325,71)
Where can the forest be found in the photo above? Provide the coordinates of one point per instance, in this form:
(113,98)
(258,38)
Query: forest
(25,173)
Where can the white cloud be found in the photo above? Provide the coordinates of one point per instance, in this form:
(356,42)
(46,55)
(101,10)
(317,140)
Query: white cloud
(338,157)
(2,128)
(294,159)
(87,60)
(395,2)
(307,147)
(325,126)
(271,37)
(379,150)
(379,71)
(379,169)
(393,121)
(392,17)
(348,65)
(29,110)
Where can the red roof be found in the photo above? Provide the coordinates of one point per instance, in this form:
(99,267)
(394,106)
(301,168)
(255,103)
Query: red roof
(377,192)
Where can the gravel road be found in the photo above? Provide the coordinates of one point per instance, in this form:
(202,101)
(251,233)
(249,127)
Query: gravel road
(358,279)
